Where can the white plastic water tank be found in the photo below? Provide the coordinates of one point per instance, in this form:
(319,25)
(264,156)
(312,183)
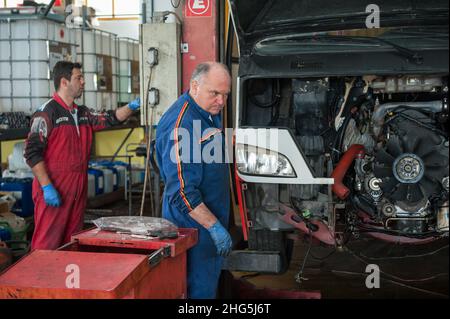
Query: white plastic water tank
(29,49)
(108,176)
(97,50)
(128,69)
(21,174)
(122,174)
(138,173)
(16,161)
(91,185)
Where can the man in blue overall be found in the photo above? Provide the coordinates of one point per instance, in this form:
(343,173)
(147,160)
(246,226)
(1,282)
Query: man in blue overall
(196,175)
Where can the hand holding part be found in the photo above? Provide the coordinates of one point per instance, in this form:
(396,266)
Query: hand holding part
(221,239)
(135,104)
(51,196)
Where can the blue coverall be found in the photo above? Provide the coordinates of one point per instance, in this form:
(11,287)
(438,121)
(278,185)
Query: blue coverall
(189,181)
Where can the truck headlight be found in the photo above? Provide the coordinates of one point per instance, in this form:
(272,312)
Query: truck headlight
(259,161)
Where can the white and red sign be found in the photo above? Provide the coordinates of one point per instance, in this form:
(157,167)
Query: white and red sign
(198,8)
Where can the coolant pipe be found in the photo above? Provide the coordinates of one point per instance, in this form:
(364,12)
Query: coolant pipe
(355,151)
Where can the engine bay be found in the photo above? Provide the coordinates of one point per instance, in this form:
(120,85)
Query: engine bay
(386,135)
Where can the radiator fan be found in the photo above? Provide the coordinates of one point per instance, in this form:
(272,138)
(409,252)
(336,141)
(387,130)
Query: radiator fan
(412,166)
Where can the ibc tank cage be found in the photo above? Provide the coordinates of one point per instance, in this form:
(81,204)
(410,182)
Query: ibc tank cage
(128,70)
(30,45)
(98,52)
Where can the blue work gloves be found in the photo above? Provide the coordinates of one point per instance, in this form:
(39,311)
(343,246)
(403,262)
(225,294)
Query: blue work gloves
(221,239)
(51,196)
(135,104)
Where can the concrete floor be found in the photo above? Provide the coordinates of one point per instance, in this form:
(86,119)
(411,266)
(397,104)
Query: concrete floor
(406,271)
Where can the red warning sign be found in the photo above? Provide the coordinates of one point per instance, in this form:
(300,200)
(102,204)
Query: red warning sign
(198,8)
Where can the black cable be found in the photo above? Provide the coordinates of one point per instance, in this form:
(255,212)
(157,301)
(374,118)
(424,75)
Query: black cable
(299,277)
(390,275)
(420,235)
(391,281)
(324,257)
(275,97)
(298,217)
(336,148)
(403,257)
(175,6)
(431,128)
(276,116)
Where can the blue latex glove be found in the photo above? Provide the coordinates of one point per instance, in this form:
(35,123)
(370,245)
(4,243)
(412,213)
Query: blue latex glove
(221,239)
(51,196)
(135,104)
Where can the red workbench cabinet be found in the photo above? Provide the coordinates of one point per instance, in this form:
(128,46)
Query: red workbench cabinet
(103,265)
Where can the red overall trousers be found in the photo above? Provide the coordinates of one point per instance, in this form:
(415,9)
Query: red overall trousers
(64,144)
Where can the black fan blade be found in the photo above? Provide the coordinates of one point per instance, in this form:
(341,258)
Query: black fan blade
(382,171)
(429,185)
(435,160)
(436,173)
(393,146)
(400,194)
(414,193)
(410,142)
(388,184)
(428,144)
(383,157)
(426,150)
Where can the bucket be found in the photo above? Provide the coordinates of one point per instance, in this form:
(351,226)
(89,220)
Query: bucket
(5,233)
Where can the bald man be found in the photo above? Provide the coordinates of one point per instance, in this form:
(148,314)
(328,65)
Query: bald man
(190,154)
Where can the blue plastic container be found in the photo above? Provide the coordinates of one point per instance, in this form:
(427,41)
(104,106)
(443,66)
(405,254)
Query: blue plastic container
(5,234)
(21,188)
(99,181)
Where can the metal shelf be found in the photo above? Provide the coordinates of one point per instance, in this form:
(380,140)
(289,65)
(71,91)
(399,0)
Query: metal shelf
(14,134)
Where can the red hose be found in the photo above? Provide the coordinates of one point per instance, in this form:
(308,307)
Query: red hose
(355,151)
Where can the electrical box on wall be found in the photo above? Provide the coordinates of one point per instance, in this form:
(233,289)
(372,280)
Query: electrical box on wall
(160,62)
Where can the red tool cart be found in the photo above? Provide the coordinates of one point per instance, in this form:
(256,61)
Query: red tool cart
(100,264)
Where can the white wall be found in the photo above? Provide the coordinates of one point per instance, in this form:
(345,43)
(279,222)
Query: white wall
(123,28)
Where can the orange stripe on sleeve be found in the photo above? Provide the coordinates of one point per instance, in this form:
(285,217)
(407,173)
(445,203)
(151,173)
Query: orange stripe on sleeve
(177,150)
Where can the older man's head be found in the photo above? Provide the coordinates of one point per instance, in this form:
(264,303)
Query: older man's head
(210,86)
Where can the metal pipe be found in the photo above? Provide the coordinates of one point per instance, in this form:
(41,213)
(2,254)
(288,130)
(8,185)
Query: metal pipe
(143,12)
(121,145)
(47,9)
(383,109)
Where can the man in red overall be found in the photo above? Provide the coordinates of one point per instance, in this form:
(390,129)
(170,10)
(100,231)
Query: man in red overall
(58,150)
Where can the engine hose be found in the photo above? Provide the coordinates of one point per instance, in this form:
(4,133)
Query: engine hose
(355,151)
(275,100)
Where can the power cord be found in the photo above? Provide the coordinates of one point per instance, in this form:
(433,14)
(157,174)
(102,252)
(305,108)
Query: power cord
(299,276)
(391,281)
(149,130)
(393,276)
(406,256)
